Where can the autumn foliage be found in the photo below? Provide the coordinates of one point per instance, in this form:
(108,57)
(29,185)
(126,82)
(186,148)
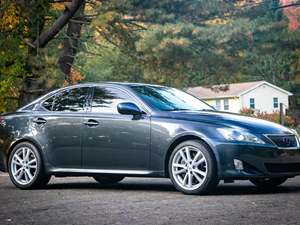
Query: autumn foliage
(292,13)
(273,117)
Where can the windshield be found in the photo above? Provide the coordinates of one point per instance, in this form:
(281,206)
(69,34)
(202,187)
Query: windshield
(169,99)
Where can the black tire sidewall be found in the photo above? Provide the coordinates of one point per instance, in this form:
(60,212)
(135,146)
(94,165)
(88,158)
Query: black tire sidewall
(37,176)
(211,180)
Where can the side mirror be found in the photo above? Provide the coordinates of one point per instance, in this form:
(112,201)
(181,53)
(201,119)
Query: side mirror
(129,108)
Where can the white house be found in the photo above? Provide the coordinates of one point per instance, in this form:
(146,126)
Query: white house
(259,95)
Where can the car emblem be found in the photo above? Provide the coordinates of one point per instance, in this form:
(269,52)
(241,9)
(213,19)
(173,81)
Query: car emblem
(287,141)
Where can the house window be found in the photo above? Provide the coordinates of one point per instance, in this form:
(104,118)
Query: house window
(275,103)
(218,104)
(252,103)
(226,104)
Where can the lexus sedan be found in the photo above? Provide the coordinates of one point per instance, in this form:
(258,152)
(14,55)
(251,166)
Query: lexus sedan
(114,130)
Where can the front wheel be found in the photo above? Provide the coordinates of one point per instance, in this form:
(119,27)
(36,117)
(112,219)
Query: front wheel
(268,182)
(192,168)
(25,167)
(111,179)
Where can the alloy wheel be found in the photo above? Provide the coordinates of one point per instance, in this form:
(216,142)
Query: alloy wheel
(24,165)
(189,167)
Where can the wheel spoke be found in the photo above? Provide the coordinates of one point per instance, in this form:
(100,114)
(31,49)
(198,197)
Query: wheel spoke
(180,171)
(184,179)
(32,161)
(197,177)
(16,162)
(190,179)
(20,174)
(197,163)
(23,153)
(27,155)
(188,154)
(26,177)
(183,156)
(203,174)
(177,165)
(29,175)
(18,171)
(32,166)
(196,157)
(18,158)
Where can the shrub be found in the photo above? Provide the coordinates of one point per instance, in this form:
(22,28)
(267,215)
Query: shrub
(273,117)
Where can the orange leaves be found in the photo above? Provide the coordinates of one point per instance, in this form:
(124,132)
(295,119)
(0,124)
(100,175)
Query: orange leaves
(10,18)
(273,117)
(75,77)
(292,13)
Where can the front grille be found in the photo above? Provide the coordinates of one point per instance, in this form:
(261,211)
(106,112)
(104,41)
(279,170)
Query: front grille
(284,141)
(283,167)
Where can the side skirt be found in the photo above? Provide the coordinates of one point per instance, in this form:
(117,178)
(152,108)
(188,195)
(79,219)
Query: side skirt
(91,172)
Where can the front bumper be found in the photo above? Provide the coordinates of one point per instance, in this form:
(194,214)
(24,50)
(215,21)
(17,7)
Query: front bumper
(258,161)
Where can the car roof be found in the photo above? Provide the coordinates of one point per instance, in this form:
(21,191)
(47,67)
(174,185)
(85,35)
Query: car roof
(127,84)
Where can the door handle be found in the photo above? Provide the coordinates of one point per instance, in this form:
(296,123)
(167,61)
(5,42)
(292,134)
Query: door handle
(39,120)
(92,123)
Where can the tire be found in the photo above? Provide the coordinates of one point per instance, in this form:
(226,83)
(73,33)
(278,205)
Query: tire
(200,161)
(111,179)
(25,167)
(268,182)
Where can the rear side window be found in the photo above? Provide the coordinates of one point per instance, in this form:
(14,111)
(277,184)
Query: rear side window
(48,103)
(74,100)
(106,100)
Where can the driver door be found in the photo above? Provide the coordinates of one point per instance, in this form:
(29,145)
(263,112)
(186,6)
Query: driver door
(111,140)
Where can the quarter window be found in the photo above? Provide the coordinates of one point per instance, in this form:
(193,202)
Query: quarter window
(226,104)
(252,103)
(48,103)
(275,103)
(106,100)
(73,100)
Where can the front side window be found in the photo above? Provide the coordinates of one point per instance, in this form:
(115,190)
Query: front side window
(169,99)
(106,100)
(73,100)
(226,104)
(252,103)
(275,103)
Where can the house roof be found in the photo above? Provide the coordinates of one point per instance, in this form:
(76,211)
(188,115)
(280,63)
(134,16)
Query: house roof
(229,90)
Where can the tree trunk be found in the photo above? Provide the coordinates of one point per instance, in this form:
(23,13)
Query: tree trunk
(71,42)
(49,34)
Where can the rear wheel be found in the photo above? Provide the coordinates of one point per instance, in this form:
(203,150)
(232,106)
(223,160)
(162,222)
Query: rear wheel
(25,167)
(268,182)
(192,168)
(111,179)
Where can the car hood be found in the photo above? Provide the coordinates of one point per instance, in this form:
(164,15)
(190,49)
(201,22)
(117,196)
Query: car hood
(254,125)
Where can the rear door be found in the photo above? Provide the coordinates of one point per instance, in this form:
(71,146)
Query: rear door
(111,140)
(59,127)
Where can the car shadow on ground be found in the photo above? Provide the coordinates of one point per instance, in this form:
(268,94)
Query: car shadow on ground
(223,189)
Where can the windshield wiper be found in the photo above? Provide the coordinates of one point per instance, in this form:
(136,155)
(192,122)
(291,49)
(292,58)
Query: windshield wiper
(207,110)
(172,110)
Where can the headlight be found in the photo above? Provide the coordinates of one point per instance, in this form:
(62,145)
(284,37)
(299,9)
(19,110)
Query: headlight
(296,133)
(239,135)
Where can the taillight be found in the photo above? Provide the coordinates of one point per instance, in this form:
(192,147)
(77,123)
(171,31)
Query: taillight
(2,121)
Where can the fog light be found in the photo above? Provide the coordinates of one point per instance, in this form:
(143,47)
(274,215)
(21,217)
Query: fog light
(238,164)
